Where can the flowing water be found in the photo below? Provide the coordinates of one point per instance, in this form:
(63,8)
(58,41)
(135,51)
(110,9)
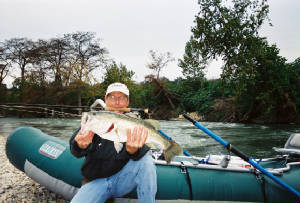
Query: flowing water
(252,139)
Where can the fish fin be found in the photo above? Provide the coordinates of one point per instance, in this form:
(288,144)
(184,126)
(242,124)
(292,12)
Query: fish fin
(115,129)
(118,146)
(84,118)
(173,150)
(153,123)
(120,135)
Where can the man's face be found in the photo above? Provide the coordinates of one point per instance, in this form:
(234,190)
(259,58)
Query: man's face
(117,100)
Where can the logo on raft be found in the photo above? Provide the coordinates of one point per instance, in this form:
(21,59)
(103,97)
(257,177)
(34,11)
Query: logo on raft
(51,149)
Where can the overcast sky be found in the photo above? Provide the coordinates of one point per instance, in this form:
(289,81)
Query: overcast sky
(130,28)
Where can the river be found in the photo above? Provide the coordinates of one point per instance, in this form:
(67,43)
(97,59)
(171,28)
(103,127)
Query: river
(254,140)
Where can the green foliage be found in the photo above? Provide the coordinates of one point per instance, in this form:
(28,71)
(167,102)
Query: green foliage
(141,95)
(266,93)
(228,30)
(293,70)
(221,28)
(258,77)
(257,84)
(117,73)
(192,64)
(199,95)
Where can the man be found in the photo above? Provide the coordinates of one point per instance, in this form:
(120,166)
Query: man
(110,173)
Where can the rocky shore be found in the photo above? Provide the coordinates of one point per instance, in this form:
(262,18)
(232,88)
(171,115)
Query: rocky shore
(194,115)
(16,187)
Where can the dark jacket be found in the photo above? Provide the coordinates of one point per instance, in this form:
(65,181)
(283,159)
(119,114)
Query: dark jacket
(101,158)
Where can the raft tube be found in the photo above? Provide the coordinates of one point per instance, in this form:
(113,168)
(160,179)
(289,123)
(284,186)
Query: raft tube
(48,161)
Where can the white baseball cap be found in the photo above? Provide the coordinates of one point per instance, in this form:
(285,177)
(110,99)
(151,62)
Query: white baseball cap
(117,87)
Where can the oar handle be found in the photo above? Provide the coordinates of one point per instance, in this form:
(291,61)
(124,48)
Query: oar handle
(126,109)
(237,152)
(242,155)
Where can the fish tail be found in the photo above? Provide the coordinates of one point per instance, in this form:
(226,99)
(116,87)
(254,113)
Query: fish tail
(173,150)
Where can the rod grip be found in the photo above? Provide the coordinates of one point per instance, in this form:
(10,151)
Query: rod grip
(237,152)
(146,111)
(117,109)
(127,109)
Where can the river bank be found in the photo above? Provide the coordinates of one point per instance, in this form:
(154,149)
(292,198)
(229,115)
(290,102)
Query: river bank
(16,187)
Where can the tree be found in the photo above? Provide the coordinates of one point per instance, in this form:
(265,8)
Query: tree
(20,52)
(226,31)
(230,31)
(5,64)
(117,73)
(87,55)
(192,64)
(159,61)
(53,56)
(260,88)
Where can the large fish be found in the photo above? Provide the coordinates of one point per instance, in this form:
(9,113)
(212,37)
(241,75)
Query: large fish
(112,126)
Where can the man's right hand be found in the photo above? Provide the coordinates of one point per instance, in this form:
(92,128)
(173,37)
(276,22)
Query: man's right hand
(83,139)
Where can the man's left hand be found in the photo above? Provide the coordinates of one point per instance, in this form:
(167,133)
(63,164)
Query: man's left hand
(136,139)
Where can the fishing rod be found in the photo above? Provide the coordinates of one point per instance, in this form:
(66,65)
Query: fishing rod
(102,103)
(127,109)
(233,149)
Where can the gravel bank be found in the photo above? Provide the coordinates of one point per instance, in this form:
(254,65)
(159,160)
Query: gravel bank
(16,187)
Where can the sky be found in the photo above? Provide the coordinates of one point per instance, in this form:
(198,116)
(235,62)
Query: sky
(129,29)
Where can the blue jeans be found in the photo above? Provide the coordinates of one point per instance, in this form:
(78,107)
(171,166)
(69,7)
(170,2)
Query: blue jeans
(139,174)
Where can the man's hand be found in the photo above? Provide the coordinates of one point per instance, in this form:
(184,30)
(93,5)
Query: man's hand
(136,139)
(83,139)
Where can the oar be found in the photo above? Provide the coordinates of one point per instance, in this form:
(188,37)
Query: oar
(242,155)
(169,138)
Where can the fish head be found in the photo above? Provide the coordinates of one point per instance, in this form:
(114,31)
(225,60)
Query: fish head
(96,123)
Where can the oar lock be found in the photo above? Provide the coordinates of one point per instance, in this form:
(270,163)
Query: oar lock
(225,161)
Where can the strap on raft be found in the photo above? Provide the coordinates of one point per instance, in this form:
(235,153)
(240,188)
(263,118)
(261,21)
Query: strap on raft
(185,170)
